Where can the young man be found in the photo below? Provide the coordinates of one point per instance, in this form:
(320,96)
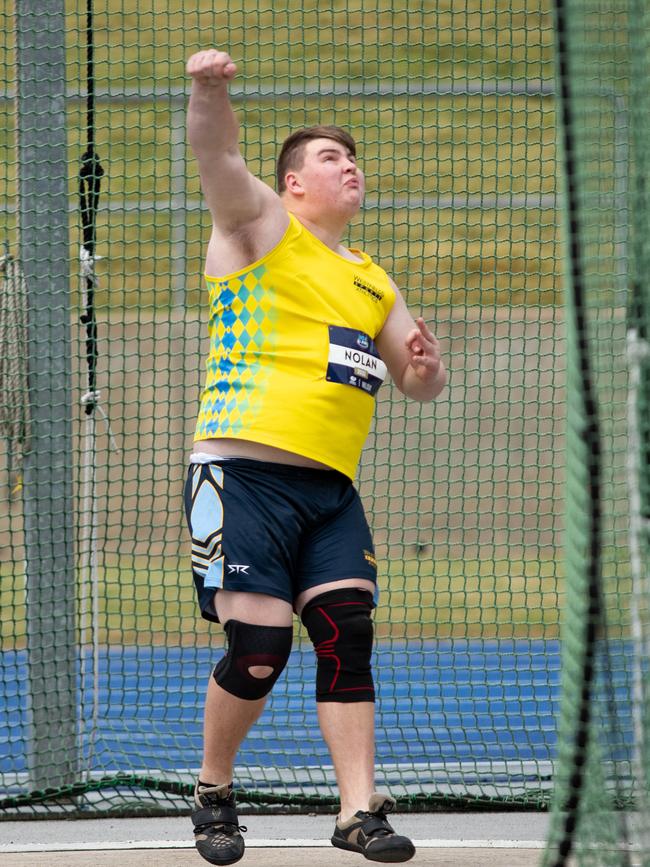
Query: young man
(303,331)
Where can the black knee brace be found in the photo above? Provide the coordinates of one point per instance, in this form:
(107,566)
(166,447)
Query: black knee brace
(248,646)
(340,627)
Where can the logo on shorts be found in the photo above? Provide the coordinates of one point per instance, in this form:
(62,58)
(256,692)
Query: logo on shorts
(370,558)
(238,568)
(363,341)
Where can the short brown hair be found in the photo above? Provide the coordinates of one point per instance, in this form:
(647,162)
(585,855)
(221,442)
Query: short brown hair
(293,150)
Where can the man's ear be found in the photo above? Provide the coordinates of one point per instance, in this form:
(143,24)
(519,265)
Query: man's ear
(292,183)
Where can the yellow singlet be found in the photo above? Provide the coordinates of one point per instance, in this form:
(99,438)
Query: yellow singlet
(292,360)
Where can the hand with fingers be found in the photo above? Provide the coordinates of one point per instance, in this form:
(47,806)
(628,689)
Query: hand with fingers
(424,351)
(211,67)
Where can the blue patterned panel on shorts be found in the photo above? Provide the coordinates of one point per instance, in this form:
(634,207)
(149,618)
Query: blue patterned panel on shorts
(206,522)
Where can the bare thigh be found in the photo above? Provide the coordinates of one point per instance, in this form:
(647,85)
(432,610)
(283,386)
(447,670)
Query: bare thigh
(256,608)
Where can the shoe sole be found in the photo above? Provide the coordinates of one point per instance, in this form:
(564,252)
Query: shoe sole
(390,856)
(220,862)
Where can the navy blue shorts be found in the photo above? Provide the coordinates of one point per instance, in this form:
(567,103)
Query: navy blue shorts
(273,528)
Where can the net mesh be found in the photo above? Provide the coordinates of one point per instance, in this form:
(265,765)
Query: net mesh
(601,797)
(455,115)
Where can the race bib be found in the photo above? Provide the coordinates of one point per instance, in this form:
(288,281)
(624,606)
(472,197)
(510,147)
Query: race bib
(354,360)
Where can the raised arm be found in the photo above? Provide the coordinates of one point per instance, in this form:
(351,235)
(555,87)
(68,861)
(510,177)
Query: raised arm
(235,197)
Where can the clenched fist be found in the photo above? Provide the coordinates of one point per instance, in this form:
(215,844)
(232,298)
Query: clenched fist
(211,67)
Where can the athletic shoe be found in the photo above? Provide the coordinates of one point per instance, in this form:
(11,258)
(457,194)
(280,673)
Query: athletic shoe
(369,833)
(216,825)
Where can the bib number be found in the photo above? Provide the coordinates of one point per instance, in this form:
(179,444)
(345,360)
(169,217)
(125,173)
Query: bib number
(354,360)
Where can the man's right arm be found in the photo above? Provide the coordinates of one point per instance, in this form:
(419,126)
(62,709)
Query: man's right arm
(235,197)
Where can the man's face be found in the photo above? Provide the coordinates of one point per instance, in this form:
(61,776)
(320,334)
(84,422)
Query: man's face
(330,175)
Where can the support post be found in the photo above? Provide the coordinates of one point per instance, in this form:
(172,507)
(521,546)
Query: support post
(48,504)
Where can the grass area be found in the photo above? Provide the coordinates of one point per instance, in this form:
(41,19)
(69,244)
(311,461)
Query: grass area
(151,600)
(471,599)
(478,145)
(425,146)
(481,147)
(421,146)
(148,602)
(345,39)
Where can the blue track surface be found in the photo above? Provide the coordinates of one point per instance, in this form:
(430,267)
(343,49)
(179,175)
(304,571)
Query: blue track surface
(438,702)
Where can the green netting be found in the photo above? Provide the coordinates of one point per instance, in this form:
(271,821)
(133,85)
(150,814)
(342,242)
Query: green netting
(602,773)
(104,659)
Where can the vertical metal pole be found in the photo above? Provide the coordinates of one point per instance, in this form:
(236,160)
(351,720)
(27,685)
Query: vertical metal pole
(49,525)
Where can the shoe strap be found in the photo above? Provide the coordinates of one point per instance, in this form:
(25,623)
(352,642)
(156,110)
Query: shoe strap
(374,824)
(215,816)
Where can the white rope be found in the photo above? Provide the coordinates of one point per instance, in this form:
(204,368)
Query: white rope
(87,264)
(93,397)
(89,590)
(637,351)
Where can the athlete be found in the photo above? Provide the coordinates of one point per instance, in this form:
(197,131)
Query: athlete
(302,333)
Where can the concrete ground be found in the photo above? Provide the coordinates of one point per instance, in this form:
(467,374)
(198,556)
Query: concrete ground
(449,839)
(276,858)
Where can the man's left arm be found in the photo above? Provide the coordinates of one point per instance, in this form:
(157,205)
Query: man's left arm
(411,353)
